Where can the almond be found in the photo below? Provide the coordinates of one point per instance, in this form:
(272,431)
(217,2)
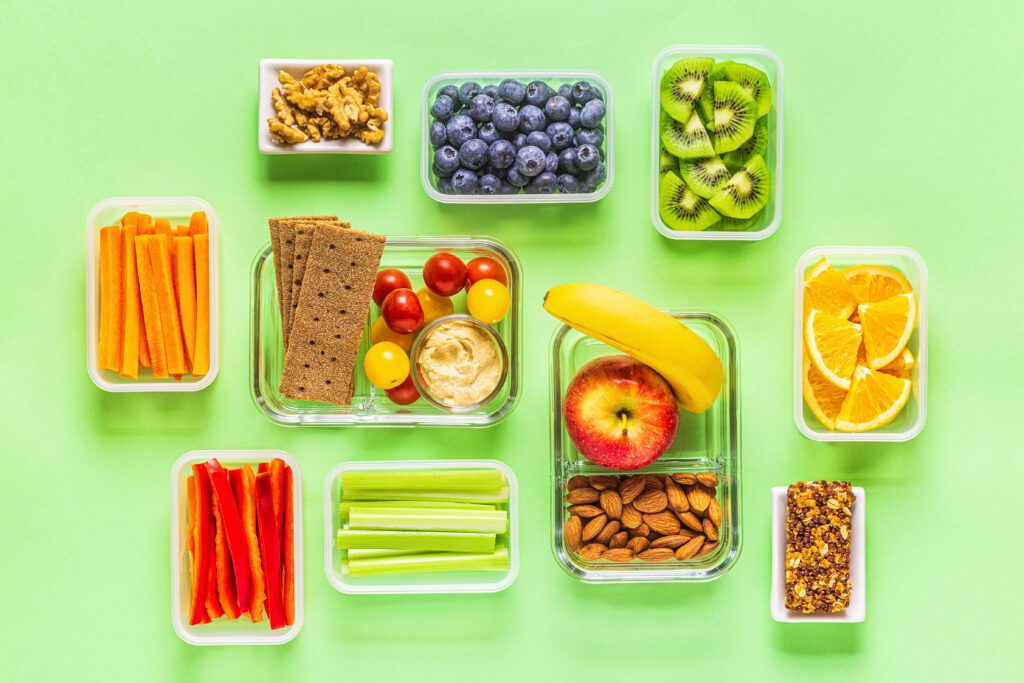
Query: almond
(630,517)
(709,479)
(653,483)
(604,481)
(618,555)
(676,497)
(619,540)
(686,533)
(684,478)
(687,518)
(611,503)
(594,527)
(714,512)
(577,482)
(689,549)
(573,533)
(632,487)
(638,544)
(699,497)
(585,511)
(655,554)
(609,530)
(591,551)
(707,549)
(663,522)
(710,530)
(642,530)
(651,501)
(584,495)
(673,541)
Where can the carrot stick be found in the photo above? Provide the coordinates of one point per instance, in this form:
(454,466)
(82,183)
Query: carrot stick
(150,306)
(198,224)
(145,224)
(106,299)
(162,226)
(201,359)
(225,577)
(185,276)
(130,216)
(190,486)
(243,484)
(288,551)
(129,299)
(169,322)
(110,295)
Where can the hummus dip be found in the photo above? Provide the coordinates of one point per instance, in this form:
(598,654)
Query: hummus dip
(460,363)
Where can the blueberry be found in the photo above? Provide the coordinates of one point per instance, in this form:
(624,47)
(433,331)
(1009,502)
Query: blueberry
(491,91)
(567,161)
(530,160)
(561,134)
(595,177)
(447,160)
(539,139)
(565,90)
(480,108)
(488,133)
(519,140)
(505,117)
(459,129)
(551,162)
(574,117)
(502,154)
(537,93)
(473,154)
(452,93)
(507,188)
(467,91)
(442,108)
(531,118)
(465,182)
(582,92)
(444,186)
(438,135)
(517,178)
(511,90)
(589,136)
(545,183)
(495,171)
(568,183)
(593,112)
(489,184)
(587,157)
(557,108)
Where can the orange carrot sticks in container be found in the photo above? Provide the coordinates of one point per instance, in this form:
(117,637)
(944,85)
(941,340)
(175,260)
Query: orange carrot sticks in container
(150,306)
(167,306)
(129,298)
(201,247)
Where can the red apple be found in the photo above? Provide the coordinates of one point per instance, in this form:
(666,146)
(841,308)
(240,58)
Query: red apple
(620,413)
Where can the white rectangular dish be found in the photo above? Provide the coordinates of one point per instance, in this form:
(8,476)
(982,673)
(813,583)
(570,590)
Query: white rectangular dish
(269,68)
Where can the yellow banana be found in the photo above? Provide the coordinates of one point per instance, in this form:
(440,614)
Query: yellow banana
(653,337)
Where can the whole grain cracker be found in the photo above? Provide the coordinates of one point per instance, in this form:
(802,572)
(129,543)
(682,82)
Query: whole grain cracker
(275,248)
(303,239)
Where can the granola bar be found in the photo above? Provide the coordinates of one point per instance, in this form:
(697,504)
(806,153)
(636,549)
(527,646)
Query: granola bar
(818,528)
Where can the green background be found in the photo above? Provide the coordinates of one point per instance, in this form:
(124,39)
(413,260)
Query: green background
(902,127)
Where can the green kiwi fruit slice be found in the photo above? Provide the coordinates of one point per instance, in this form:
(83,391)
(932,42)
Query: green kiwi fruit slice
(682,84)
(752,80)
(706,106)
(681,208)
(668,162)
(747,191)
(757,144)
(704,176)
(735,224)
(686,141)
(735,115)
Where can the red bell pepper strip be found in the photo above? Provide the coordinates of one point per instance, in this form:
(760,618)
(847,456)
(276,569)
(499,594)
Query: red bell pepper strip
(203,547)
(225,600)
(263,467)
(270,551)
(277,483)
(237,544)
(288,551)
(243,484)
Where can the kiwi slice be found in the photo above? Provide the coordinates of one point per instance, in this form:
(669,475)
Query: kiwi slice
(753,81)
(686,141)
(706,106)
(757,144)
(735,224)
(681,208)
(704,176)
(668,162)
(735,115)
(682,84)
(746,193)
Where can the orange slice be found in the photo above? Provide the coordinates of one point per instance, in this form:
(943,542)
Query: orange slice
(827,290)
(875,283)
(832,345)
(875,399)
(887,326)
(904,363)
(823,398)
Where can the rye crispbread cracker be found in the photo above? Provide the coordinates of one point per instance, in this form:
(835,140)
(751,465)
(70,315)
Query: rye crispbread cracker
(275,247)
(303,239)
(333,304)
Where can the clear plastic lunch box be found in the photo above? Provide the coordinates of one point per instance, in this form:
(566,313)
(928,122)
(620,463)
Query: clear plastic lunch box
(226,631)
(911,419)
(705,442)
(553,79)
(177,210)
(439,582)
(767,61)
(370,406)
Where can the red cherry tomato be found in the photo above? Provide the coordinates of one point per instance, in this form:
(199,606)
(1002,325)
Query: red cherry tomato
(444,273)
(485,268)
(404,394)
(388,280)
(402,311)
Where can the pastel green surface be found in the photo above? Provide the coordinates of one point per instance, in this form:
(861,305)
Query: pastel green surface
(902,127)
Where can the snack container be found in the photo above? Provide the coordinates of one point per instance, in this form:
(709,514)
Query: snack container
(225,631)
(853,614)
(440,582)
(177,210)
(269,68)
(911,419)
(705,442)
(370,406)
(553,79)
(762,58)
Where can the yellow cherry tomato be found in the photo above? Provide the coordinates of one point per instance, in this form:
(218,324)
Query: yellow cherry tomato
(434,305)
(386,365)
(488,301)
(380,332)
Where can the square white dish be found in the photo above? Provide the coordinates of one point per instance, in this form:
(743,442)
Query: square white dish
(269,68)
(855,613)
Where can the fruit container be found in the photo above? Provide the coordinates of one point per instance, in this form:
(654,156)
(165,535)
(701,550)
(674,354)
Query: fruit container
(553,79)
(911,419)
(269,68)
(768,220)
(370,406)
(706,442)
(438,582)
(226,631)
(857,609)
(177,210)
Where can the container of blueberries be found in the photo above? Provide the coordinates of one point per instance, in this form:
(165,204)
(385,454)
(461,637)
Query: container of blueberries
(536,137)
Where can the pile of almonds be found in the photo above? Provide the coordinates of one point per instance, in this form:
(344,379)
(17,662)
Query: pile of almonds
(650,517)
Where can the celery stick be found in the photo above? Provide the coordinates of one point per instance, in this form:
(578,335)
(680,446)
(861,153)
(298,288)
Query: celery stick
(482,496)
(429,562)
(430,519)
(363,553)
(345,506)
(421,480)
(416,540)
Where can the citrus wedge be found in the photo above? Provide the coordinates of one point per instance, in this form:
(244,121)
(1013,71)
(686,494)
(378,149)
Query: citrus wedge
(904,363)
(832,345)
(887,326)
(875,399)
(823,398)
(828,291)
(875,283)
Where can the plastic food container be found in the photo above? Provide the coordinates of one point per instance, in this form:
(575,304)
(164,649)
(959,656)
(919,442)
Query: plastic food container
(369,405)
(767,61)
(225,631)
(177,210)
(484,78)
(269,69)
(705,442)
(440,582)
(858,582)
(911,419)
